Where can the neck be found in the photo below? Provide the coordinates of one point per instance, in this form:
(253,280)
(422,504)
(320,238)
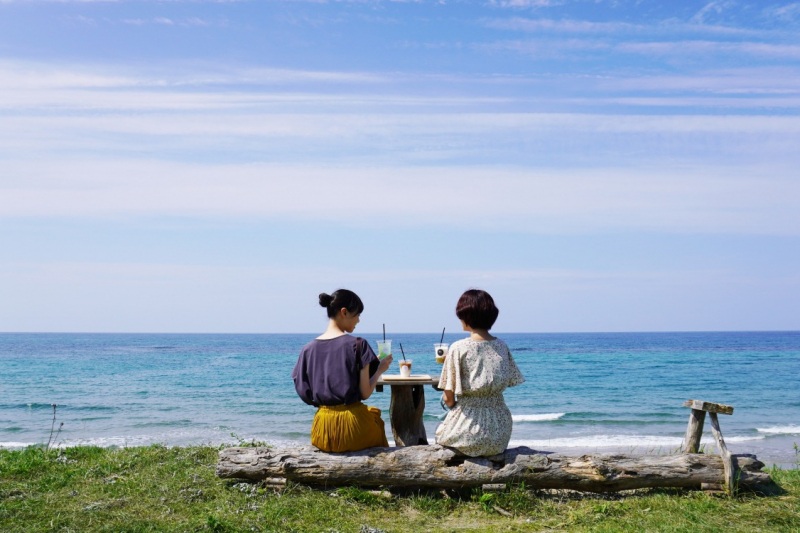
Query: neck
(480,335)
(332,331)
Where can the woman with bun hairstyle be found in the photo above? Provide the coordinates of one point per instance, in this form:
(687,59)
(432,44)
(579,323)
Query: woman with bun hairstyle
(334,373)
(476,371)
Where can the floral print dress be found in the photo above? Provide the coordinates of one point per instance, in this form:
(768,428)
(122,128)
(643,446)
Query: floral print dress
(478,372)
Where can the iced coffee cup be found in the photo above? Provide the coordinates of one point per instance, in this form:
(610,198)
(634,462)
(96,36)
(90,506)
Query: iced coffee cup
(405,368)
(384,349)
(440,351)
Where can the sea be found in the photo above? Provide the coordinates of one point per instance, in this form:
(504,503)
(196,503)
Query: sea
(584,392)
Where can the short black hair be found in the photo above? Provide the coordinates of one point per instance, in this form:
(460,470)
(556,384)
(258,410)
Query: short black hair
(339,299)
(477,309)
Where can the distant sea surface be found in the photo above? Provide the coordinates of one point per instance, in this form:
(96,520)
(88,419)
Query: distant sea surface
(584,392)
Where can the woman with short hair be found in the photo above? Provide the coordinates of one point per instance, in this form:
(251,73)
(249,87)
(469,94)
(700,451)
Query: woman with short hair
(476,371)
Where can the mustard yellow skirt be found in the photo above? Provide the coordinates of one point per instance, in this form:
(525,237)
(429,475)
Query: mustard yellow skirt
(347,428)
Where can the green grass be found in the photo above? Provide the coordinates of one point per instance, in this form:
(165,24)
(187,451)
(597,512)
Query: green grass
(175,489)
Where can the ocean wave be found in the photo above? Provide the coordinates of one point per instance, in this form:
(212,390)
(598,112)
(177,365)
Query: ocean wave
(541,417)
(60,407)
(780,430)
(620,441)
(11,445)
(34,405)
(114,442)
(165,423)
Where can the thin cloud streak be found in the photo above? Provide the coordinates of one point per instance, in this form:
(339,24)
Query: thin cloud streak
(555,201)
(39,87)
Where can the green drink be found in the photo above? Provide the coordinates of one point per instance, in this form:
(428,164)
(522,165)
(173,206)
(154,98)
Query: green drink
(384,349)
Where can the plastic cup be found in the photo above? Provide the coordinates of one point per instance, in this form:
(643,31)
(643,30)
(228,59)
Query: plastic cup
(384,348)
(405,368)
(440,351)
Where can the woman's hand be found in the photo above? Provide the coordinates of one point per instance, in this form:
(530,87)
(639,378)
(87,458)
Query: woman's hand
(367,383)
(386,362)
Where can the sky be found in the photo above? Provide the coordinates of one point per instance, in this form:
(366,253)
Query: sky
(212,166)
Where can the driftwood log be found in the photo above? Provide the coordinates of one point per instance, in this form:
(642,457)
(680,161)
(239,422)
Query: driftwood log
(437,467)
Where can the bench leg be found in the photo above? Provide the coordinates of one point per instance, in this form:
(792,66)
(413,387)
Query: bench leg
(691,443)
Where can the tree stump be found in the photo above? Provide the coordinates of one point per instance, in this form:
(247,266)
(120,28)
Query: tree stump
(406,406)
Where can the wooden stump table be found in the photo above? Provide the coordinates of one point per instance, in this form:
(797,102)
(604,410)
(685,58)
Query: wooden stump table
(406,407)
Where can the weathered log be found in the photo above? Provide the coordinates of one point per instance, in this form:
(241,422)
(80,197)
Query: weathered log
(727,457)
(437,467)
(709,407)
(694,431)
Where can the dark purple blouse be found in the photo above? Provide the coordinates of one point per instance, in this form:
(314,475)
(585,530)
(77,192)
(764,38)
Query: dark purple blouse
(328,371)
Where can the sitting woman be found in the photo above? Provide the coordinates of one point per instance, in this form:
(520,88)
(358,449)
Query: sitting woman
(334,373)
(475,373)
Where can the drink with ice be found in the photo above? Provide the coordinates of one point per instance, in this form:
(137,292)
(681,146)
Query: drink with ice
(384,348)
(440,351)
(405,368)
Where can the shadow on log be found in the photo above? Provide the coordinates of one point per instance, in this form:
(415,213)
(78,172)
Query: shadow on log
(437,467)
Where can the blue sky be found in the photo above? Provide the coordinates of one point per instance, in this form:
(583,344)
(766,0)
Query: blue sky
(211,166)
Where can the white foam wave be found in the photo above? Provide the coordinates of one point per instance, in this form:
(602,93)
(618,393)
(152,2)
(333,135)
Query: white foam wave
(780,430)
(11,445)
(620,441)
(542,417)
(130,441)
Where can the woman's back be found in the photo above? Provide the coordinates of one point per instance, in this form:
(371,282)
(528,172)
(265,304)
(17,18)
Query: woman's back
(480,368)
(477,372)
(327,371)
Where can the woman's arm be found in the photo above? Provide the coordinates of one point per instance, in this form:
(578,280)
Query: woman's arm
(449,398)
(366,383)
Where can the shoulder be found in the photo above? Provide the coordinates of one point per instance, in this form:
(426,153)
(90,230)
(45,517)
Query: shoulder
(310,346)
(500,344)
(462,345)
(326,345)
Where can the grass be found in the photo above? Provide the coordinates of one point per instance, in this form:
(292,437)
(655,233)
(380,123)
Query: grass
(175,489)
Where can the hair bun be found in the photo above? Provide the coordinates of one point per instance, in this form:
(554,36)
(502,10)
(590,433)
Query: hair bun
(325,299)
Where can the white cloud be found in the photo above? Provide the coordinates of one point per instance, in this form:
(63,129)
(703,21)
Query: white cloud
(741,81)
(525,4)
(785,13)
(716,7)
(699,47)
(537,200)
(564,25)
(72,141)
(26,76)
(195,22)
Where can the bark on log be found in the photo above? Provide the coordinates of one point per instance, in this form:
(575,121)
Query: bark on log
(437,467)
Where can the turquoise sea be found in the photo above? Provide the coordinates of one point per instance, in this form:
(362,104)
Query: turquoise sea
(584,391)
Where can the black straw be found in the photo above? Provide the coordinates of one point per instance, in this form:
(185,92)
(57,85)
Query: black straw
(384,332)
(442,339)
(402,352)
